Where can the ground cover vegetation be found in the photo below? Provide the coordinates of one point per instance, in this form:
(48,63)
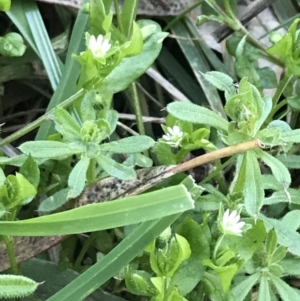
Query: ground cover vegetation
(113,170)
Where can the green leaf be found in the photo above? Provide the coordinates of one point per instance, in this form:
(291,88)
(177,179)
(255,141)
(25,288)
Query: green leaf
(294,102)
(280,172)
(226,273)
(221,81)
(164,154)
(2,210)
(286,236)
(196,114)
(267,78)
(167,253)
(67,84)
(267,107)
(66,125)
(128,16)
(5,5)
(250,243)
(264,289)
(292,219)
(136,43)
(31,171)
(49,274)
(276,270)
(269,135)
(111,264)
(139,283)
(107,215)
(13,286)
(116,169)
(129,145)
(50,60)
(271,242)
(203,19)
(286,292)
(279,254)
(87,109)
(191,272)
(244,67)
(77,177)
(47,149)
(119,79)
(12,44)
(287,48)
(241,290)
(251,51)
(111,117)
(26,190)
(55,201)
(291,266)
(291,136)
(249,182)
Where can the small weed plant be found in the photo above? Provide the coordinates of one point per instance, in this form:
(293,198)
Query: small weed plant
(233,236)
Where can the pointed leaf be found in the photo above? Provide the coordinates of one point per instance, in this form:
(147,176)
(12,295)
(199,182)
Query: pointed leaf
(116,169)
(286,292)
(47,149)
(241,290)
(264,289)
(12,286)
(77,177)
(129,145)
(253,189)
(196,114)
(280,172)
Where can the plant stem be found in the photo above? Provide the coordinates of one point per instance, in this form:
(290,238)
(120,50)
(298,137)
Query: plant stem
(91,172)
(281,87)
(217,154)
(11,254)
(35,124)
(219,168)
(250,38)
(220,179)
(275,110)
(218,243)
(137,109)
(175,20)
(118,14)
(83,250)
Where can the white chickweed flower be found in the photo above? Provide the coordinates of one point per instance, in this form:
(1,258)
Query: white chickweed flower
(230,223)
(99,46)
(173,136)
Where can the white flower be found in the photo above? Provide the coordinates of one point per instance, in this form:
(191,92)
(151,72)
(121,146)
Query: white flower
(231,224)
(173,136)
(99,46)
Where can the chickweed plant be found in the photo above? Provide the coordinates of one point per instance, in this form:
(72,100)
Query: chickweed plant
(233,236)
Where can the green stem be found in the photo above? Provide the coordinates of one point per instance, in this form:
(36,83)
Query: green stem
(137,109)
(250,38)
(83,250)
(11,254)
(179,17)
(217,246)
(275,110)
(220,179)
(35,124)
(219,168)
(216,8)
(118,14)
(91,172)
(282,85)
